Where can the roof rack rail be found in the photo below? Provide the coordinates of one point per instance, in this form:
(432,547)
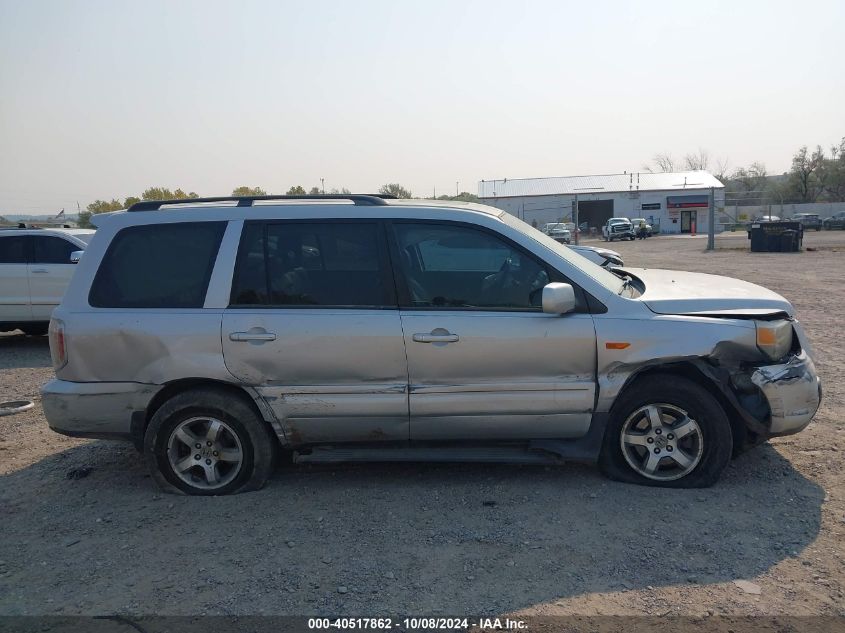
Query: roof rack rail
(373,199)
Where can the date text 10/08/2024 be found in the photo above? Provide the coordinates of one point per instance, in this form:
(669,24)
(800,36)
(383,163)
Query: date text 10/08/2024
(421,623)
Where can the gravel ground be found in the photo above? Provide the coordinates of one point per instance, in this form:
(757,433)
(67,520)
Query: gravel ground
(84,530)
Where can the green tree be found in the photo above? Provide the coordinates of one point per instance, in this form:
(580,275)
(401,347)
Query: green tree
(130,201)
(804,182)
(395,189)
(464,196)
(342,191)
(832,174)
(296,191)
(315,191)
(747,185)
(248,191)
(98,206)
(102,206)
(162,193)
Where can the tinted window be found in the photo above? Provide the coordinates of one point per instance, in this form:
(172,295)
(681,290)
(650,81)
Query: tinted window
(13,249)
(461,267)
(310,264)
(53,250)
(158,266)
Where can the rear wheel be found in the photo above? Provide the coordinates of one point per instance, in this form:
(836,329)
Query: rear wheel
(209,442)
(667,431)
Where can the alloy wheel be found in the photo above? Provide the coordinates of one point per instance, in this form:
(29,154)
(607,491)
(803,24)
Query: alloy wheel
(661,442)
(205,452)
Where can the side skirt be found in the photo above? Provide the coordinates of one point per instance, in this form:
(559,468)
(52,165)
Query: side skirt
(546,451)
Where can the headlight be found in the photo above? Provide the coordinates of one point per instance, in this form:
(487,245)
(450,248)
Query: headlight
(774,338)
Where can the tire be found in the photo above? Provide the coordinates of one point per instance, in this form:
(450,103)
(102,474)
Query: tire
(707,449)
(36,329)
(240,434)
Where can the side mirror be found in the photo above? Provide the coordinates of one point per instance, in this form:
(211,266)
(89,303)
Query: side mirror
(558,298)
(75,256)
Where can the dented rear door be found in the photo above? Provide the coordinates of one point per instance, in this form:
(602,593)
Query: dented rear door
(313,326)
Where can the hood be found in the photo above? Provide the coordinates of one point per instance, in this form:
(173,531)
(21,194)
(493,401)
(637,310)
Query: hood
(678,292)
(604,252)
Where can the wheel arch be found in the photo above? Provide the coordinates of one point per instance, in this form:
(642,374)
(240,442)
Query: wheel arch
(141,419)
(691,370)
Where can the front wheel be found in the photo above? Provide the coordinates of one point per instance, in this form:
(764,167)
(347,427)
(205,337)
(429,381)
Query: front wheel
(667,431)
(208,442)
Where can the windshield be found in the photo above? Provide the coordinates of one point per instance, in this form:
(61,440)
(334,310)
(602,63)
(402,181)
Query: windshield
(555,227)
(602,276)
(85,236)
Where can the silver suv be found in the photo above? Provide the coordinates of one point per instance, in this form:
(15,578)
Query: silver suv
(220,334)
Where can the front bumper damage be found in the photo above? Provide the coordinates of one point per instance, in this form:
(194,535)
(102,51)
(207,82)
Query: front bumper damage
(793,391)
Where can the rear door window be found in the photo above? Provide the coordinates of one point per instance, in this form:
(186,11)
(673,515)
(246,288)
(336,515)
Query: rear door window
(312,264)
(14,249)
(158,266)
(53,250)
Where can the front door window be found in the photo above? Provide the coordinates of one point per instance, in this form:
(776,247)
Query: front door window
(452,266)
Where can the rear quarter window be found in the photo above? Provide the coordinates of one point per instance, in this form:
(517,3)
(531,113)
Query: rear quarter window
(158,266)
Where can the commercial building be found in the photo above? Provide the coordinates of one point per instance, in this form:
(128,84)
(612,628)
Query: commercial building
(676,202)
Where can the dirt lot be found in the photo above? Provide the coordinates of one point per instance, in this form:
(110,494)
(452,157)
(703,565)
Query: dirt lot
(423,539)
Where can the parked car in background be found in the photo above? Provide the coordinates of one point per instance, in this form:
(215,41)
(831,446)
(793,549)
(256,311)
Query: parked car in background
(36,266)
(836,221)
(642,224)
(604,257)
(558,231)
(809,220)
(618,229)
(354,328)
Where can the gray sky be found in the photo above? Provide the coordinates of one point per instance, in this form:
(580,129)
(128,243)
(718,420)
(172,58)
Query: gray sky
(102,99)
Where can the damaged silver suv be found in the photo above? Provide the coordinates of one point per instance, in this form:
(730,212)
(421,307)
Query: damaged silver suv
(223,333)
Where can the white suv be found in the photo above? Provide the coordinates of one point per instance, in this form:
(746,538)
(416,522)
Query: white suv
(35,269)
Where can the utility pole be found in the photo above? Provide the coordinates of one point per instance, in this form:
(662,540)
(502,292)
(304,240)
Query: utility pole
(711,221)
(575,217)
(456,189)
(323,185)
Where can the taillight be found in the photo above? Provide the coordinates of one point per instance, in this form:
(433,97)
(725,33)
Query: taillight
(58,345)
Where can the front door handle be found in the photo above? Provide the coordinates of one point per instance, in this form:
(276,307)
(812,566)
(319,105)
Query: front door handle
(252,336)
(39,270)
(436,338)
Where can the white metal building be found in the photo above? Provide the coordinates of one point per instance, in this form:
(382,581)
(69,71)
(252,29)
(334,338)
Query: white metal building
(677,202)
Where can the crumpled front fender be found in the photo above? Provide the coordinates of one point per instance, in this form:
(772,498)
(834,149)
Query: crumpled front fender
(793,390)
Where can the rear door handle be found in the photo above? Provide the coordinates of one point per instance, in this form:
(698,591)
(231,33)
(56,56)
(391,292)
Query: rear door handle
(252,336)
(436,338)
(39,270)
